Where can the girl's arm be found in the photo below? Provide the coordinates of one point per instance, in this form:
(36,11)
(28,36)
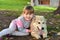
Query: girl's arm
(21,27)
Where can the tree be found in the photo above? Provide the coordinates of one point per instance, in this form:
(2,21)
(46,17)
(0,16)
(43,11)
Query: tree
(57,11)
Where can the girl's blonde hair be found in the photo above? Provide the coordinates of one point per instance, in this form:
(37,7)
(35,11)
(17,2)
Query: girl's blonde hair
(30,8)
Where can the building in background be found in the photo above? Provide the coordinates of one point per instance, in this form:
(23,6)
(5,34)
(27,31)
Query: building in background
(53,3)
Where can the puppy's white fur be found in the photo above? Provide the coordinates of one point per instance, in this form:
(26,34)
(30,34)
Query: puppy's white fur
(35,23)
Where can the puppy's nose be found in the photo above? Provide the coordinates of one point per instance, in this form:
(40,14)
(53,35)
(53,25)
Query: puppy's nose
(42,28)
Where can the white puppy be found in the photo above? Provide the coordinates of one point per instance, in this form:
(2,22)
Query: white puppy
(38,27)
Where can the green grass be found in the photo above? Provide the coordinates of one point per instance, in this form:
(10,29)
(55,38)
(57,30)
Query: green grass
(19,4)
(44,8)
(12,4)
(57,16)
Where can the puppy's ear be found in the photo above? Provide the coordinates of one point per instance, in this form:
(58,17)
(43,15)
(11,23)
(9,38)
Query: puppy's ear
(31,24)
(33,20)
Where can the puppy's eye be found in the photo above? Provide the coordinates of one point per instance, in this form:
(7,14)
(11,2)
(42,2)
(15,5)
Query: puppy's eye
(38,22)
(43,23)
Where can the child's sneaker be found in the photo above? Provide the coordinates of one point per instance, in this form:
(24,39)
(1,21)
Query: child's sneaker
(8,36)
(0,38)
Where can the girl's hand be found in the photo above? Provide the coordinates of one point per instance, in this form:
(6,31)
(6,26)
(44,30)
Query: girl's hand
(29,30)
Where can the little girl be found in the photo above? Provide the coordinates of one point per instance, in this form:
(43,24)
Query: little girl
(22,23)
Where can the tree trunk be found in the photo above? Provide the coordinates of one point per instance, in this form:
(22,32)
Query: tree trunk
(58,9)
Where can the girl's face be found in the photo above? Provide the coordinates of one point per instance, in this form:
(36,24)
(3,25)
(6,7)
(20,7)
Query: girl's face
(28,15)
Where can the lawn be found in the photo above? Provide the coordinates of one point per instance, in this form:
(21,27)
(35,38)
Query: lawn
(44,8)
(17,5)
(12,4)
